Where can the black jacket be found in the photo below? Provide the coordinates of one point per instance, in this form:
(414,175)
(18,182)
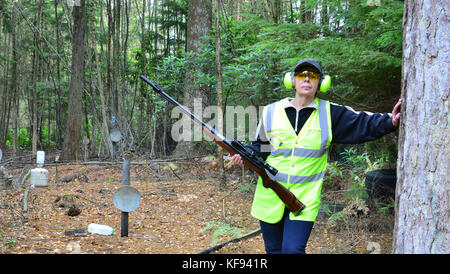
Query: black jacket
(348,126)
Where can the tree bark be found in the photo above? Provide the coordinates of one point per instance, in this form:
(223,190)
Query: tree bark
(14,84)
(199,25)
(72,134)
(115,70)
(105,129)
(421,221)
(34,111)
(7,94)
(324,20)
(274,8)
(219,117)
(142,86)
(58,75)
(108,56)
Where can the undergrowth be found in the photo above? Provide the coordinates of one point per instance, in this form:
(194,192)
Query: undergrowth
(345,182)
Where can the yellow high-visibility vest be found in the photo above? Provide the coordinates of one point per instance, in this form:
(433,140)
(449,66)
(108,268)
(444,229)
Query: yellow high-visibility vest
(301,161)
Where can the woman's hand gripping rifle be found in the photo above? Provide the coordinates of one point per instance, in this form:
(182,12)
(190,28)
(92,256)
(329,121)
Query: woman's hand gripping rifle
(249,158)
(254,162)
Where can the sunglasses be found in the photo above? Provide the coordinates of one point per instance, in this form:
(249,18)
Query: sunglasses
(311,75)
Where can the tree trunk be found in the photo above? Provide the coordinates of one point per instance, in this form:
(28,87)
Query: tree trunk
(115,70)
(421,221)
(108,56)
(324,20)
(303,11)
(274,8)
(126,125)
(142,85)
(72,134)
(199,25)
(291,12)
(58,75)
(15,94)
(167,42)
(34,111)
(219,117)
(6,104)
(153,12)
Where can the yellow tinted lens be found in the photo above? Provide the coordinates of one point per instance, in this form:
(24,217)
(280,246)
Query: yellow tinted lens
(300,75)
(311,75)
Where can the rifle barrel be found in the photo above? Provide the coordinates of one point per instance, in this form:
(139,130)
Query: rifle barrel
(183,108)
(249,158)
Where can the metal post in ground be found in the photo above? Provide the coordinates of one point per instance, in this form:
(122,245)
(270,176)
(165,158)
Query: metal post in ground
(125,182)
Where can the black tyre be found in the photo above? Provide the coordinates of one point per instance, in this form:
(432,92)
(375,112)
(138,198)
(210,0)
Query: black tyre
(380,184)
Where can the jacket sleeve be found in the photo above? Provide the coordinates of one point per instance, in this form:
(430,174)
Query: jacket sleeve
(351,127)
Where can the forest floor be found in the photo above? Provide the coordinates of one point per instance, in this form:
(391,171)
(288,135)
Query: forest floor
(181,210)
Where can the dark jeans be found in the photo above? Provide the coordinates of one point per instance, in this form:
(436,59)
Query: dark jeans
(286,236)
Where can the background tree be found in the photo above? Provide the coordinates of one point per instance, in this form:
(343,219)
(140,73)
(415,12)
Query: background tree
(198,27)
(219,88)
(421,223)
(74,118)
(14,73)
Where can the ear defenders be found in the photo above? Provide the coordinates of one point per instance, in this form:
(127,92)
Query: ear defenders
(324,82)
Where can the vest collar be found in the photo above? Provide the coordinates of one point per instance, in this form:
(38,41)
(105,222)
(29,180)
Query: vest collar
(286,103)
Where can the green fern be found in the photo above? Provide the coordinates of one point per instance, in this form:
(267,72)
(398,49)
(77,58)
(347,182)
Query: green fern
(220,229)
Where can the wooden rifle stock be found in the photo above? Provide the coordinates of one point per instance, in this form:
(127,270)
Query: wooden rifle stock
(288,198)
(250,160)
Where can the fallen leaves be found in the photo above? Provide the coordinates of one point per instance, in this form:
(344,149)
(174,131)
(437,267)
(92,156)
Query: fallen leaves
(171,217)
(168,220)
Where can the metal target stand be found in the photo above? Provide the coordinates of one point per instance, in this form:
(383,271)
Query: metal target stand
(126,198)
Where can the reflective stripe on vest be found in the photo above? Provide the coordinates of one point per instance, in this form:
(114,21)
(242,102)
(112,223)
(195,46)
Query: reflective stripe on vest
(297,179)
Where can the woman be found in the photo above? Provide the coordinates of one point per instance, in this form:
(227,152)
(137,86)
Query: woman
(293,136)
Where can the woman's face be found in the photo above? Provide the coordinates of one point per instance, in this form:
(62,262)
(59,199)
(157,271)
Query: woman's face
(306,82)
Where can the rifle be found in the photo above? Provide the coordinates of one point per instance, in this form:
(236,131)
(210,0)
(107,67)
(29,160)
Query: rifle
(249,158)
